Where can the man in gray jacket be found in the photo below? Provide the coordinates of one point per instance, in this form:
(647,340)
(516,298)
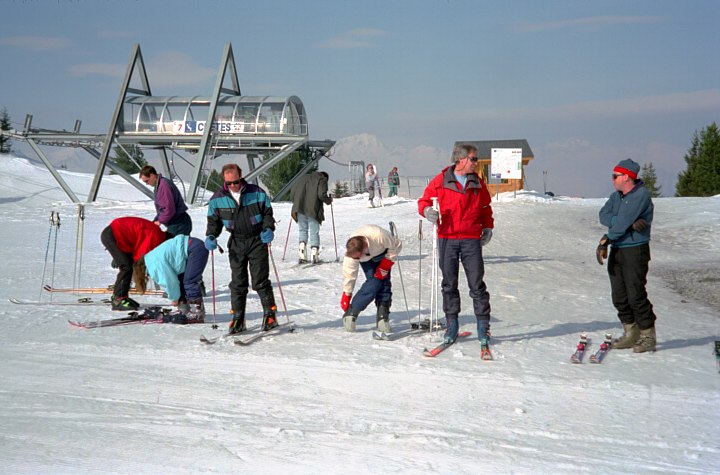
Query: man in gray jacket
(628,215)
(309,195)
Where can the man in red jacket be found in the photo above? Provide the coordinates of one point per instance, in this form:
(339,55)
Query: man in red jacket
(127,240)
(464,225)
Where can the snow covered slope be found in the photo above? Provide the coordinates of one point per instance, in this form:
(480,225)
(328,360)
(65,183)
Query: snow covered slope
(153,399)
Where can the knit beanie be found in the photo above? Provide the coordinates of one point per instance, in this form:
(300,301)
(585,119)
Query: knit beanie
(628,167)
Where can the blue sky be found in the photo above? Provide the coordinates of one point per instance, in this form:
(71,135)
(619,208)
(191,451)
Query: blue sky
(587,83)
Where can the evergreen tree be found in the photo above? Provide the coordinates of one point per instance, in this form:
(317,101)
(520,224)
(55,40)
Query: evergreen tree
(212,183)
(647,174)
(702,177)
(5,142)
(132,160)
(282,172)
(341,189)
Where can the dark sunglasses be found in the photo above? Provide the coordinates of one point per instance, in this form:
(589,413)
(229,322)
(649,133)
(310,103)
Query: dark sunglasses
(616,175)
(236,182)
(472,159)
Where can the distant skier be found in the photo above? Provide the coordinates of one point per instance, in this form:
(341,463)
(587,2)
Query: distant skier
(370,178)
(628,215)
(169,204)
(393,182)
(375,250)
(464,225)
(177,265)
(127,240)
(308,195)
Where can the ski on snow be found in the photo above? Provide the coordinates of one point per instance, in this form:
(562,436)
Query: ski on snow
(431,353)
(82,301)
(287,327)
(599,355)
(250,335)
(213,340)
(416,328)
(148,315)
(97,290)
(582,345)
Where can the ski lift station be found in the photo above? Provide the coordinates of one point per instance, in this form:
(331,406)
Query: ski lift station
(207,127)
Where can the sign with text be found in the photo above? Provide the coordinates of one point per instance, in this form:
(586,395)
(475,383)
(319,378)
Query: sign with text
(506,163)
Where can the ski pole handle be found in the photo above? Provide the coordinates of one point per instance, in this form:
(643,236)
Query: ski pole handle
(436,207)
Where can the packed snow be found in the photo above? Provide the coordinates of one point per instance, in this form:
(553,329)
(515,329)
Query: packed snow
(153,399)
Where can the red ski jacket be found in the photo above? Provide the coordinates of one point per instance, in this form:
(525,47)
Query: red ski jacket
(463,214)
(137,236)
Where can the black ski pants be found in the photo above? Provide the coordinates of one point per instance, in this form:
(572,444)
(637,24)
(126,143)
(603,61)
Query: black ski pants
(249,253)
(468,251)
(124,261)
(628,268)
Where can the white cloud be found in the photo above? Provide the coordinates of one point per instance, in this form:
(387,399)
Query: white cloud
(586,23)
(167,70)
(37,43)
(357,38)
(110,34)
(97,69)
(673,103)
(175,69)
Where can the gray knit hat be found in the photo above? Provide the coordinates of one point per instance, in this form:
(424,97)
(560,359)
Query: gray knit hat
(628,167)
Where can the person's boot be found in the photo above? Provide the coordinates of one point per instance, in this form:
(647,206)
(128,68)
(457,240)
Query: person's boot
(483,329)
(124,304)
(269,318)
(315,255)
(451,332)
(267,299)
(196,313)
(301,252)
(237,324)
(628,338)
(383,318)
(183,307)
(349,318)
(646,341)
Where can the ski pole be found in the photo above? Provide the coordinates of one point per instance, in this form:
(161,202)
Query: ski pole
(434,317)
(287,239)
(212,268)
(393,231)
(332,214)
(277,278)
(420,239)
(57,228)
(79,235)
(47,252)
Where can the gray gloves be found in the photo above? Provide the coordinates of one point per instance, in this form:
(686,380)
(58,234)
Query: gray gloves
(431,214)
(486,236)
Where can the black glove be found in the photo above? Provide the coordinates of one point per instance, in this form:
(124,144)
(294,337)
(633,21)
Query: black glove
(640,225)
(602,250)
(114,264)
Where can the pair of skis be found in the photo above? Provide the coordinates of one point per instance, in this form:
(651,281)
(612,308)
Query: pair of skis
(250,336)
(80,301)
(598,356)
(97,290)
(154,314)
(417,330)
